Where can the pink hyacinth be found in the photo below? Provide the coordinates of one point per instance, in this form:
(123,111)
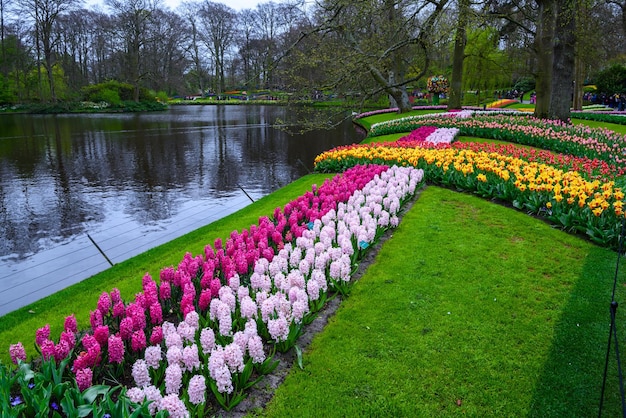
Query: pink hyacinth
(249,308)
(136,395)
(191,358)
(157,335)
(126,328)
(165,291)
(96,319)
(119,310)
(233,357)
(173,339)
(153,356)
(101,334)
(174,406)
(104,303)
(207,340)
(116,296)
(193,319)
(153,394)
(255,349)
(89,341)
(205,299)
(186,332)
(278,328)
(167,275)
(47,349)
(42,334)
(138,313)
(140,373)
(138,341)
(156,313)
(83,378)
(173,379)
(219,371)
(70,324)
(149,289)
(69,337)
(61,351)
(196,389)
(116,349)
(17,352)
(174,355)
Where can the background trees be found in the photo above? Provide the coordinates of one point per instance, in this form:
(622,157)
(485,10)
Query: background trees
(51,49)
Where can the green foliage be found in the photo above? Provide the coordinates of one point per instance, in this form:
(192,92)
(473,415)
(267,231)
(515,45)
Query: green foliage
(6,94)
(38,86)
(611,80)
(525,84)
(162,96)
(47,391)
(485,65)
(600,117)
(106,95)
(125,92)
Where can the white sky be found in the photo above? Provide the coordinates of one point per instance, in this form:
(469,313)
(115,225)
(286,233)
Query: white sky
(235,4)
(238,5)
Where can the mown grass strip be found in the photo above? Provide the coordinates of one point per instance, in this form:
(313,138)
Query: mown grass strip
(470,309)
(126,276)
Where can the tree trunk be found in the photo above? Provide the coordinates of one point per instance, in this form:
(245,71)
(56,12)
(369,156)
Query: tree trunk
(460,39)
(579,80)
(543,46)
(555,45)
(563,61)
(398,96)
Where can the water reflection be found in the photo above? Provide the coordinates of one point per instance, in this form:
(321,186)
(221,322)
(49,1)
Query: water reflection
(62,176)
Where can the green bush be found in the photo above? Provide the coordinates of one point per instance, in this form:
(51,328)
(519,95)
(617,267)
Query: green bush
(525,84)
(611,80)
(125,92)
(106,95)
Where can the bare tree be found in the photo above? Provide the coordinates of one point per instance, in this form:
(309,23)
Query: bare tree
(133,18)
(44,15)
(191,12)
(387,39)
(218,23)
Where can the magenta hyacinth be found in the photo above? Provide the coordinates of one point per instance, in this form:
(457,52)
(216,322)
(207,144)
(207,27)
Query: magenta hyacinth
(17,352)
(70,324)
(42,334)
(116,349)
(138,341)
(83,378)
(104,303)
(157,335)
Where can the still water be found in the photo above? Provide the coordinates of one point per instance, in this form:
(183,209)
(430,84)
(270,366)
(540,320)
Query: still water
(129,182)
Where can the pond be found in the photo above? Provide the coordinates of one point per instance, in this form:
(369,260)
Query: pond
(128,182)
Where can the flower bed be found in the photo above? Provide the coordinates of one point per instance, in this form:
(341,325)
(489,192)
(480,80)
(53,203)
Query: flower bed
(212,324)
(501,103)
(564,197)
(431,134)
(516,127)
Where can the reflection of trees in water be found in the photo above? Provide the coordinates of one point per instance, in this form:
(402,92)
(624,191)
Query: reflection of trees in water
(72,173)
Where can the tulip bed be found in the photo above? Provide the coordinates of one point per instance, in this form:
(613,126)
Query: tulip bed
(578,189)
(212,324)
